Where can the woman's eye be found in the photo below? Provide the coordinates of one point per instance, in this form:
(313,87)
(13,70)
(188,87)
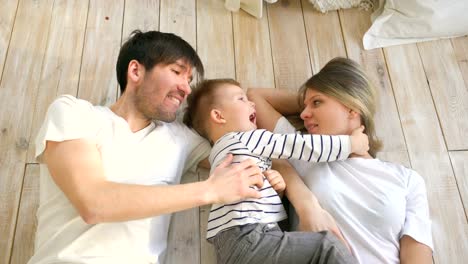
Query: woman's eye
(316,102)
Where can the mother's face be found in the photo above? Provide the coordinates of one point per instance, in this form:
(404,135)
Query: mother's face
(327,116)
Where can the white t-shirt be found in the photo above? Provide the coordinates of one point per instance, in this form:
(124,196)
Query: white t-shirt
(156,155)
(373,202)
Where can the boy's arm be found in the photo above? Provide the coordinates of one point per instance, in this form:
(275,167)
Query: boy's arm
(306,147)
(76,167)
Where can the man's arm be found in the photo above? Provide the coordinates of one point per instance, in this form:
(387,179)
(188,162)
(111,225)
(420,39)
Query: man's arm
(411,251)
(272,104)
(76,167)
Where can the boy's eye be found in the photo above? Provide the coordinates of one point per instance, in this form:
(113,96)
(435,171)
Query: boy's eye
(176,72)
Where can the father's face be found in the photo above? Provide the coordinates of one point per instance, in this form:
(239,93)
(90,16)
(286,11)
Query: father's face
(164,89)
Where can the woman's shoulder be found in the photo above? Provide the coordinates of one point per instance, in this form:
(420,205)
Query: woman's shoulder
(407,173)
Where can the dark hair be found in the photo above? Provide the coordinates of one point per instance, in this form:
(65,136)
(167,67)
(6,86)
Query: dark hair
(152,48)
(345,80)
(201,101)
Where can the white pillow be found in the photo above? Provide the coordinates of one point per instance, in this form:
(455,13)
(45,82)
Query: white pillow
(398,22)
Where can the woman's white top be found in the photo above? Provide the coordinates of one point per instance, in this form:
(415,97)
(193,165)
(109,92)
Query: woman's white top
(373,202)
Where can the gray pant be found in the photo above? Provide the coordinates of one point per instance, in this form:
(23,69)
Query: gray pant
(266,243)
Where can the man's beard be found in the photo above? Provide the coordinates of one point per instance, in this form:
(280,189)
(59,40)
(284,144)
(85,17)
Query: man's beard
(154,113)
(160,115)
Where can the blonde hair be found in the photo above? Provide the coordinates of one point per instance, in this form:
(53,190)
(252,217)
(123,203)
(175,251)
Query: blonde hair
(344,80)
(201,101)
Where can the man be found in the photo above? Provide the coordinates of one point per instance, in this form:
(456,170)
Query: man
(109,175)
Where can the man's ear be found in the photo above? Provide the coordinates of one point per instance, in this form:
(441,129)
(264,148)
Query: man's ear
(217,116)
(135,71)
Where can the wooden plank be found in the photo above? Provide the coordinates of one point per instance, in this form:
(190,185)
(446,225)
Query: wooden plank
(215,39)
(448,90)
(324,36)
(18,94)
(23,246)
(355,23)
(449,223)
(254,62)
(459,161)
(179,17)
(215,48)
(7,19)
(143,15)
(290,54)
(98,81)
(208,254)
(460,46)
(427,152)
(61,67)
(184,237)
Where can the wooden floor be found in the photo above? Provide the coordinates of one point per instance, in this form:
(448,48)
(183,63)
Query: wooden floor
(57,47)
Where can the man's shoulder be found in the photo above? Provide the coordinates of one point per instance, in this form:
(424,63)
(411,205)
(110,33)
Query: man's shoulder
(70,105)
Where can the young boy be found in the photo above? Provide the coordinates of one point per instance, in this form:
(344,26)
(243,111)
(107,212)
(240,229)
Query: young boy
(246,231)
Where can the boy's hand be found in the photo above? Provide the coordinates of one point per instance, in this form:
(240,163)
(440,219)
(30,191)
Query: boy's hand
(276,181)
(359,141)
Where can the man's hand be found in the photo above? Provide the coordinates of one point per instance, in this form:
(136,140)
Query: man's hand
(231,182)
(276,181)
(359,141)
(318,219)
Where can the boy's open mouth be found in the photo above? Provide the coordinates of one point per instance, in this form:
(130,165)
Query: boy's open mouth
(253,118)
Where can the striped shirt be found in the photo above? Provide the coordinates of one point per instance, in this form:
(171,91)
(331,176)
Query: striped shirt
(262,145)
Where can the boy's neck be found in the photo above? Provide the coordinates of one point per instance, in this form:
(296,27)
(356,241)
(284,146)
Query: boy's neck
(217,132)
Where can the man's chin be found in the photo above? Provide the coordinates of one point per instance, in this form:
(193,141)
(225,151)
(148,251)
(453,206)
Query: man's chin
(165,117)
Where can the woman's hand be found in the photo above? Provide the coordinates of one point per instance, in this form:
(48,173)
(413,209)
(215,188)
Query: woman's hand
(276,181)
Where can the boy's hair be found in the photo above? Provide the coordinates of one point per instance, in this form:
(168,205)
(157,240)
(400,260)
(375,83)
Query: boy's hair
(152,48)
(345,80)
(201,101)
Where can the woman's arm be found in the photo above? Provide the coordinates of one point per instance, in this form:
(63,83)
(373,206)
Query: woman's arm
(411,251)
(272,104)
(312,217)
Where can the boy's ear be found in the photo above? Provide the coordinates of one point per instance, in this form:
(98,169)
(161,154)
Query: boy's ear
(217,116)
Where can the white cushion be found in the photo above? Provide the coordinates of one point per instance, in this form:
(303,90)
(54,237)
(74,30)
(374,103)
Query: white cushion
(398,22)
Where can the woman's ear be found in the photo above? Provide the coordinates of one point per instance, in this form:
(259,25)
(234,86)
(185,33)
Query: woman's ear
(217,116)
(353,114)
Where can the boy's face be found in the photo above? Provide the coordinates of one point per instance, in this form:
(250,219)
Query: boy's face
(238,112)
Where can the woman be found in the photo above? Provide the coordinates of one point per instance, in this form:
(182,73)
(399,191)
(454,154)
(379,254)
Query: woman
(380,207)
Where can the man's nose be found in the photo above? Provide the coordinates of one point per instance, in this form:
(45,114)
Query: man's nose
(185,88)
